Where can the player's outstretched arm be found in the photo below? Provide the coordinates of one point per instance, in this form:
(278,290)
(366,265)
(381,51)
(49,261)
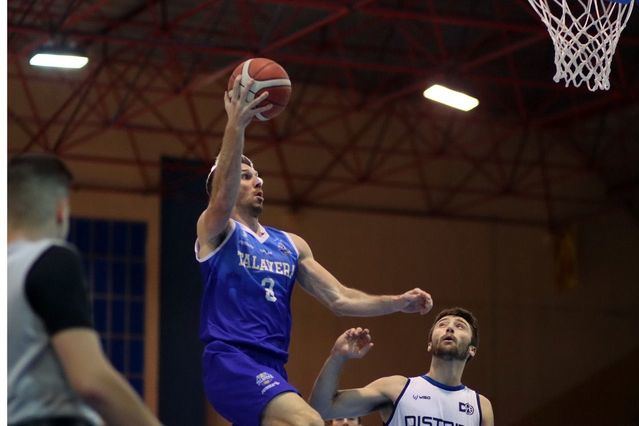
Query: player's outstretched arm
(226,180)
(487,416)
(333,403)
(342,300)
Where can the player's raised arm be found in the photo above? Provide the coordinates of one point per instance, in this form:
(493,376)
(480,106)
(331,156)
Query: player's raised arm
(224,184)
(331,402)
(342,300)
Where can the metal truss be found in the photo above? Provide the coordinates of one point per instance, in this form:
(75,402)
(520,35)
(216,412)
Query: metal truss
(357,136)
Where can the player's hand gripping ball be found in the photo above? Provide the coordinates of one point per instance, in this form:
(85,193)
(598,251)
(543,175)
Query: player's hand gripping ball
(268,76)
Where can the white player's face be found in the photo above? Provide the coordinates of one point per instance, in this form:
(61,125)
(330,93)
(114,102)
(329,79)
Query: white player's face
(451,339)
(251,194)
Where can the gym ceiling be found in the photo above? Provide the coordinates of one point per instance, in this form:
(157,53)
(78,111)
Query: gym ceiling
(357,135)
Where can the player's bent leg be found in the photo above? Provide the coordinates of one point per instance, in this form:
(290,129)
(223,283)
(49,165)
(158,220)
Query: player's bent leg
(289,409)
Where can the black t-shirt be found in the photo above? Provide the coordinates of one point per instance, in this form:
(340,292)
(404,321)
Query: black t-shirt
(57,292)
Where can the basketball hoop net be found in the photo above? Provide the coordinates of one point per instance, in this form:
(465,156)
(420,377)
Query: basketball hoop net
(585,34)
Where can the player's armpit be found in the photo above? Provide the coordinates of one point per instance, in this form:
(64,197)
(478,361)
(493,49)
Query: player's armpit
(210,237)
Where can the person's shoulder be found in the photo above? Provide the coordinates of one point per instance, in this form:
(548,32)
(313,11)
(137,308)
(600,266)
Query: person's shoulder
(300,244)
(396,379)
(59,259)
(61,251)
(65,245)
(275,230)
(484,401)
(488,417)
(271,228)
(46,246)
(391,386)
(294,238)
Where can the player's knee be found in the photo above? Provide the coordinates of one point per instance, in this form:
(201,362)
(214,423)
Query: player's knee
(316,419)
(309,417)
(304,417)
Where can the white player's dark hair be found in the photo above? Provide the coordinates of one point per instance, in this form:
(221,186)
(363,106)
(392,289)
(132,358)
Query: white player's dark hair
(209,178)
(35,183)
(462,313)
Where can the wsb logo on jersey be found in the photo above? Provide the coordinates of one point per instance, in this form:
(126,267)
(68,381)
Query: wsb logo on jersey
(416,396)
(465,407)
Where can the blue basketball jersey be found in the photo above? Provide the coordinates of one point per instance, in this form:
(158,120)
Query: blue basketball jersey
(248,283)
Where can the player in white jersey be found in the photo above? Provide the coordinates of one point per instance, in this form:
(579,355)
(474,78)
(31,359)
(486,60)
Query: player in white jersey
(437,398)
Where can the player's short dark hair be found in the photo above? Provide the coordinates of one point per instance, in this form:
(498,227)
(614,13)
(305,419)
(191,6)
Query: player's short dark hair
(209,178)
(462,313)
(35,182)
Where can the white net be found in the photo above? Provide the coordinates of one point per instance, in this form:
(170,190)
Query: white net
(585,34)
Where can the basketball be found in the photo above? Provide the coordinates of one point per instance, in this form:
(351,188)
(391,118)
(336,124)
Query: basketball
(269,76)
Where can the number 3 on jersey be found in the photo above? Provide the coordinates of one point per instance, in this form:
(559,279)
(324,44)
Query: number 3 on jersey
(268,284)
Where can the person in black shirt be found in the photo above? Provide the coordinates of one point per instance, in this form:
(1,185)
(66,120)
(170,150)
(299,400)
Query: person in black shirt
(57,372)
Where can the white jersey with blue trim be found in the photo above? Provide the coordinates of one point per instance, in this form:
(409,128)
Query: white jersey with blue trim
(426,402)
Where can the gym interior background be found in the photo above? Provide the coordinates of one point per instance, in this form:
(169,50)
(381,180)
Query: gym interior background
(525,210)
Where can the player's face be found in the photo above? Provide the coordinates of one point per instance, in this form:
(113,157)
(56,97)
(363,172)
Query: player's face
(251,195)
(451,339)
(349,421)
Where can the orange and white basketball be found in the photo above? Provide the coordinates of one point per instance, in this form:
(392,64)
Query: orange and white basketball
(269,76)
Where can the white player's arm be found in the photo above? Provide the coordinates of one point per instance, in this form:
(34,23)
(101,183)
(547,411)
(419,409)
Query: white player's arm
(487,416)
(96,381)
(342,300)
(214,220)
(332,403)
(354,402)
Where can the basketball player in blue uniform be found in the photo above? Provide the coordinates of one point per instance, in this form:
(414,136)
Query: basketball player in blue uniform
(249,271)
(435,398)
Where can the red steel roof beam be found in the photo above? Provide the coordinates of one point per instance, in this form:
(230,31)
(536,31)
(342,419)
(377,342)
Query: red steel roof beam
(458,21)
(72,97)
(271,47)
(32,105)
(437,30)
(91,109)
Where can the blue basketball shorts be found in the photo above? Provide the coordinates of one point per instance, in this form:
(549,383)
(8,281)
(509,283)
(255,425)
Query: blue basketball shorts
(240,386)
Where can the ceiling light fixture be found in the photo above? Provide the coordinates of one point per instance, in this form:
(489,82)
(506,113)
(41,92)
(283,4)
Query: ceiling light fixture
(451,97)
(59,57)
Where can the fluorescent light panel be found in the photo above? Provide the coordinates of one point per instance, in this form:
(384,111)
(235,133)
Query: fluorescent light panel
(58,60)
(451,97)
